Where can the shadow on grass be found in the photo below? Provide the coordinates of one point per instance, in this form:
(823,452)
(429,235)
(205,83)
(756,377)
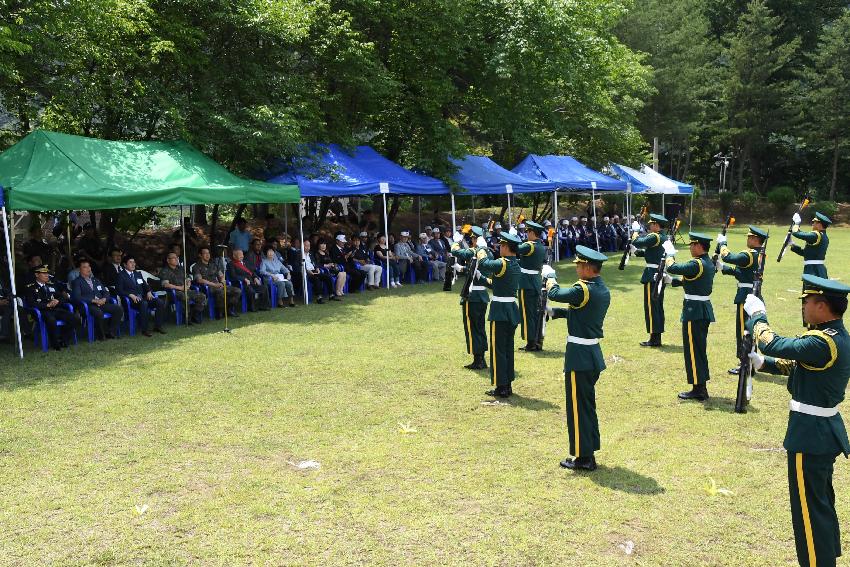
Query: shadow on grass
(724,404)
(770,379)
(532,403)
(545,353)
(625,480)
(668,348)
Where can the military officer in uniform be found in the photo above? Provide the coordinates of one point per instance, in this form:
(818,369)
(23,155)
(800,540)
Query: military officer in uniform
(47,298)
(651,244)
(532,256)
(587,303)
(818,367)
(504,275)
(742,266)
(814,252)
(697,312)
(474,307)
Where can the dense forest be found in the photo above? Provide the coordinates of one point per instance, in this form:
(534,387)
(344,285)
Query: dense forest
(763,83)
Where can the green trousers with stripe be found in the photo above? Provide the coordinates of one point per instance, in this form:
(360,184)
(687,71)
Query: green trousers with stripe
(653,309)
(694,345)
(502,353)
(475,326)
(740,322)
(582,423)
(816,532)
(529,302)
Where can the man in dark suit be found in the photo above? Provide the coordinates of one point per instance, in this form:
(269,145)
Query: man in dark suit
(132,284)
(91,291)
(111,268)
(47,298)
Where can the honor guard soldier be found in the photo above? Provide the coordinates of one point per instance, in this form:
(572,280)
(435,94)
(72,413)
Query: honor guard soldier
(474,306)
(653,307)
(532,256)
(587,303)
(814,253)
(697,313)
(504,275)
(741,265)
(818,367)
(49,299)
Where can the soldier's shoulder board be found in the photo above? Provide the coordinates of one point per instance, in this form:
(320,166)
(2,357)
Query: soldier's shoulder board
(830,332)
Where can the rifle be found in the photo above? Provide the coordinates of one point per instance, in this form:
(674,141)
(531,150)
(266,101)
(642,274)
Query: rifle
(787,242)
(627,253)
(662,266)
(543,302)
(451,273)
(730,220)
(472,266)
(748,345)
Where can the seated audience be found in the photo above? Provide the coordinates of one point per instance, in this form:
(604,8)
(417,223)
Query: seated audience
(343,255)
(132,284)
(279,275)
(324,260)
(43,295)
(361,256)
(173,277)
(87,289)
(253,287)
(384,256)
(209,274)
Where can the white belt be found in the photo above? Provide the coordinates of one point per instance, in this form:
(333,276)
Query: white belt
(499,299)
(749,285)
(812,410)
(581,341)
(812,262)
(477,288)
(697,297)
(524,271)
(653,266)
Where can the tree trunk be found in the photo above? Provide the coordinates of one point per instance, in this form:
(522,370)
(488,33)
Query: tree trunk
(395,203)
(213,226)
(200,216)
(834,169)
(741,161)
(322,213)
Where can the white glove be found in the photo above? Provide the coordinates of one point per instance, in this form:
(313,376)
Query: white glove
(721,239)
(480,242)
(547,271)
(797,219)
(457,267)
(669,249)
(753,305)
(719,265)
(632,249)
(512,231)
(457,237)
(636,226)
(668,279)
(550,312)
(477,276)
(756,359)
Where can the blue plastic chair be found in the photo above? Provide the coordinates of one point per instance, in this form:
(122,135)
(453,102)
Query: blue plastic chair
(88,318)
(41,335)
(132,312)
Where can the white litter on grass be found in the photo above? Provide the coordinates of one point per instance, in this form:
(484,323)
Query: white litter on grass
(406,427)
(712,489)
(494,403)
(793,290)
(141,509)
(615,359)
(627,547)
(306,465)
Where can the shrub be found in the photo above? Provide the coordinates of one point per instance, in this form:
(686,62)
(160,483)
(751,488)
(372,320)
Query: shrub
(726,199)
(781,198)
(829,208)
(750,201)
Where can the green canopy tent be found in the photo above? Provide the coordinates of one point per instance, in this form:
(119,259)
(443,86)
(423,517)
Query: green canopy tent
(52,171)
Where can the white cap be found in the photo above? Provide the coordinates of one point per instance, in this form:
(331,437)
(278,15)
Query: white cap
(547,222)
(404,233)
(427,228)
(364,233)
(423,235)
(340,237)
(497,225)
(435,229)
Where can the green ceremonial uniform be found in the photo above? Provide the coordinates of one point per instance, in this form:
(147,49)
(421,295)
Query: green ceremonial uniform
(742,266)
(474,309)
(583,361)
(504,316)
(818,367)
(531,256)
(653,307)
(697,313)
(814,253)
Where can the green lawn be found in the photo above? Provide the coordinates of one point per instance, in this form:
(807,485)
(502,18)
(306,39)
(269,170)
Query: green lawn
(183,449)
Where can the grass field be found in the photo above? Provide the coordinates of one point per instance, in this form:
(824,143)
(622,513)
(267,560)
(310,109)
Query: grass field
(183,449)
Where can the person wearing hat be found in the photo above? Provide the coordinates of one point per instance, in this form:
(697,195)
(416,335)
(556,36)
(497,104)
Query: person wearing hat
(504,275)
(474,306)
(697,277)
(493,239)
(50,300)
(522,231)
(532,256)
(587,304)
(343,254)
(814,252)
(651,244)
(742,266)
(407,257)
(817,364)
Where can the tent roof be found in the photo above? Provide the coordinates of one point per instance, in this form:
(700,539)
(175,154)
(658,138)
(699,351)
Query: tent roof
(336,172)
(640,183)
(482,176)
(567,172)
(650,181)
(670,186)
(53,171)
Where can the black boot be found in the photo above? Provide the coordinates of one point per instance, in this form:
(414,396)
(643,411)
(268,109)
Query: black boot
(500,392)
(654,340)
(580,463)
(699,392)
(477,362)
(530,347)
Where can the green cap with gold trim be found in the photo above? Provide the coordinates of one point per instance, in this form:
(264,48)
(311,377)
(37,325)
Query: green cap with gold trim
(825,220)
(477,231)
(756,231)
(703,239)
(815,285)
(585,254)
(509,238)
(535,227)
(660,219)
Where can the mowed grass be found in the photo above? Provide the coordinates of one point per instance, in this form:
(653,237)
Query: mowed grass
(183,449)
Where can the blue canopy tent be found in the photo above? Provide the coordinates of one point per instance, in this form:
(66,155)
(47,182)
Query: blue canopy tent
(568,174)
(480,175)
(332,171)
(647,180)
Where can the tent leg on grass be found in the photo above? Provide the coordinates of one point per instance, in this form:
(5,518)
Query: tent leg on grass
(303,259)
(10,258)
(387,236)
(555,240)
(185,268)
(595,226)
(454,220)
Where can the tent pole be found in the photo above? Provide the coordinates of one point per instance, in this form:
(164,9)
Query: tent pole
(387,234)
(419,213)
(662,202)
(185,268)
(68,233)
(454,220)
(303,259)
(11,260)
(691,220)
(555,240)
(595,226)
(509,212)
(473,209)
